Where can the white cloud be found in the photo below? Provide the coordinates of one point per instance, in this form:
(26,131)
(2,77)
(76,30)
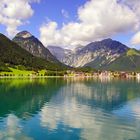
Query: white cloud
(136,39)
(72,113)
(133,4)
(97,19)
(13,130)
(14,13)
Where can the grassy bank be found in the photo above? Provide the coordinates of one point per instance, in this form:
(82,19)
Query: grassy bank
(17,73)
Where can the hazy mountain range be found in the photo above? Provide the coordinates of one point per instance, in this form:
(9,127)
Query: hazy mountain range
(26,50)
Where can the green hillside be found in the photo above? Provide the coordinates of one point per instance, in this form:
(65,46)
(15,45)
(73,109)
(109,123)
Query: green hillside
(130,61)
(133,52)
(12,55)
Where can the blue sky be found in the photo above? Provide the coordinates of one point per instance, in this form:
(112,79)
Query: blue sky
(71,23)
(51,9)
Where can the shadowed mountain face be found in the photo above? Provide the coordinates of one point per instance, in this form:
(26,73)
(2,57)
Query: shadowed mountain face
(11,54)
(27,41)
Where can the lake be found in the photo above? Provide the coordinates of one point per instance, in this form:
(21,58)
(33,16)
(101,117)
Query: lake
(69,109)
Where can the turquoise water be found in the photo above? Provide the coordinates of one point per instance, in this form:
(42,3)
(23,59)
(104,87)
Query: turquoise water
(69,109)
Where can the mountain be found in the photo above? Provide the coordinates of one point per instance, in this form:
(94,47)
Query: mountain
(99,54)
(107,54)
(27,41)
(130,61)
(63,55)
(96,54)
(12,54)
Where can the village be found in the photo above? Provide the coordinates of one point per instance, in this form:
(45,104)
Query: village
(105,74)
(72,73)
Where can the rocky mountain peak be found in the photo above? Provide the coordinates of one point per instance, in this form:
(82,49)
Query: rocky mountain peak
(24,34)
(30,43)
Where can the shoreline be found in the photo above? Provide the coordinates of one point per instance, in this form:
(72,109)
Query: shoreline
(65,77)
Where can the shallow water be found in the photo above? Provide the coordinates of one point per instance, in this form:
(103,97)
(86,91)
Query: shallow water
(69,109)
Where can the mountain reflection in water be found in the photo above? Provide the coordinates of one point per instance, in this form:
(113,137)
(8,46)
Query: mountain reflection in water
(36,109)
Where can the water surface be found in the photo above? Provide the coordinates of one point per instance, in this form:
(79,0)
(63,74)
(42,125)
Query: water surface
(69,109)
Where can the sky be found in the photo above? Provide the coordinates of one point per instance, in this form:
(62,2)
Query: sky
(72,23)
